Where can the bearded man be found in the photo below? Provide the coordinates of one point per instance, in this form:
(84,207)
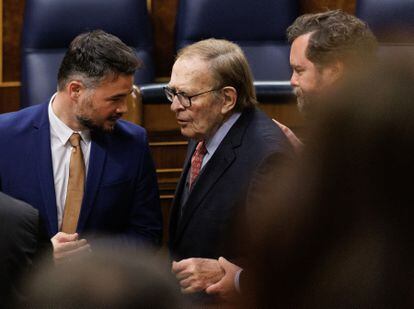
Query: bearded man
(86,171)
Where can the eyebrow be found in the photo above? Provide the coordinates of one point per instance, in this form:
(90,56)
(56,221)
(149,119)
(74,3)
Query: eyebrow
(120,95)
(177,90)
(296,66)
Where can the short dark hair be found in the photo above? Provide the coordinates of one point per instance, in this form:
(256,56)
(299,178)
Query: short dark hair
(93,55)
(336,35)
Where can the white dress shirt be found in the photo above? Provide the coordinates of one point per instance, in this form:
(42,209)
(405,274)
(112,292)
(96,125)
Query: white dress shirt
(61,151)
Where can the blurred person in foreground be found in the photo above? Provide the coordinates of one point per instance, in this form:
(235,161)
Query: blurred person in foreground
(325,48)
(105,278)
(338,233)
(84,169)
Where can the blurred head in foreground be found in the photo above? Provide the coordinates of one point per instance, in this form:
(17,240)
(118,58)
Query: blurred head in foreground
(338,233)
(105,279)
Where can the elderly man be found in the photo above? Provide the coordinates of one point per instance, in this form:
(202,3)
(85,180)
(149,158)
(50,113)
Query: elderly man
(86,171)
(324,48)
(212,95)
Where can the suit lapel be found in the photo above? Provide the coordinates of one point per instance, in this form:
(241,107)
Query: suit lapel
(176,204)
(95,169)
(214,169)
(43,157)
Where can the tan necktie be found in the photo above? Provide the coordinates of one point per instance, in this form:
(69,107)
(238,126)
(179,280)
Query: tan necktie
(76,183)
(196,162)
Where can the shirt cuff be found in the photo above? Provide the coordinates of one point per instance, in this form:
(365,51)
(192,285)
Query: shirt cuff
(237,280)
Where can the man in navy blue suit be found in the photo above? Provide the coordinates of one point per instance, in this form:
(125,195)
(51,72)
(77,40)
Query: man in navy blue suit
(119,194)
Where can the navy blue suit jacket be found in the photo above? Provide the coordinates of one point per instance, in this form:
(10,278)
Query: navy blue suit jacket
(121,194)
(218,198)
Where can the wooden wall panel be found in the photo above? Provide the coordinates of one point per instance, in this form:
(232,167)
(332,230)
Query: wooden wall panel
(12,25)
(163,13)
(9,99)
(12,18)
(308,6)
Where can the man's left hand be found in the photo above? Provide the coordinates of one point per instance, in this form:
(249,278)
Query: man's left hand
(226,287)
(196,274)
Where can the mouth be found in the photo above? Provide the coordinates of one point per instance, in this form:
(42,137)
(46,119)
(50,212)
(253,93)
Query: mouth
(181,121)
(113,118)
(297,92)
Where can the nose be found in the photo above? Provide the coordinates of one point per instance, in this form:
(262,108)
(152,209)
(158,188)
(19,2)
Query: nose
(294,80)
(123,106)
(176,105)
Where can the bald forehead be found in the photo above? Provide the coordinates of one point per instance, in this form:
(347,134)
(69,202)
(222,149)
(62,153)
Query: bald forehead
(299,47)
(190,72)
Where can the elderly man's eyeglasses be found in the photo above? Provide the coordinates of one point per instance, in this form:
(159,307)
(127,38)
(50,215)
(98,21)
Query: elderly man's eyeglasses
(185,100)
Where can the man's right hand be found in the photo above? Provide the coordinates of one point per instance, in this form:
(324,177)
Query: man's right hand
(226,287)
(292,138)
(196,274)
(67,245)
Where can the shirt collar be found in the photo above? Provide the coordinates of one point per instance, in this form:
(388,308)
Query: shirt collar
(62,131)
(213,143)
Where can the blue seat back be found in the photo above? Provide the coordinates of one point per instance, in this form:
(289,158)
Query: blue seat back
(50,26)
(392,21)
(259,27)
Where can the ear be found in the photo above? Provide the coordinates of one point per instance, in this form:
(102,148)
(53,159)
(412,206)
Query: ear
(334,71)
(230,99)
(74,89)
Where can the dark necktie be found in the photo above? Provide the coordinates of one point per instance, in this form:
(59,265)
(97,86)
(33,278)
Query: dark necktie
(76,183)
(196,162)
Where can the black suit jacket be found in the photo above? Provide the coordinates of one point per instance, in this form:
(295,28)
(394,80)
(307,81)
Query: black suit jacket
(19,237)
(203,227)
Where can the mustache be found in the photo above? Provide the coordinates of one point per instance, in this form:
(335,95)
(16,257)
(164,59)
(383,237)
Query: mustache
(115,117)
(297,92)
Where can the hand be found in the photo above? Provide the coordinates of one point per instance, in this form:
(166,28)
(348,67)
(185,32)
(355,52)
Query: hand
(292,138)
(196,274)
(225,288)
(67,245)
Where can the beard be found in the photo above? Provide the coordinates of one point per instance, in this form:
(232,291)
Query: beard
(95,127)
(307,102)
(86,121)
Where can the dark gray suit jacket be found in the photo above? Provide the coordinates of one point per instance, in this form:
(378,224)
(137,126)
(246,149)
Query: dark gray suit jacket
(19,236)
(203,227)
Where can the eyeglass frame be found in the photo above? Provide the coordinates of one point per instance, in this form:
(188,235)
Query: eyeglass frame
(175,93)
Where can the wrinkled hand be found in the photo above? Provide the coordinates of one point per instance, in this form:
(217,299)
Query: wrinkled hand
(225,288)
(66,246)
(196,274)
(292,138)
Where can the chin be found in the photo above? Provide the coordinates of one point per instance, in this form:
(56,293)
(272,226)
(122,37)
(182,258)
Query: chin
(105,128)
(190,133)
(108,128)
(301,104)
(187,134)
